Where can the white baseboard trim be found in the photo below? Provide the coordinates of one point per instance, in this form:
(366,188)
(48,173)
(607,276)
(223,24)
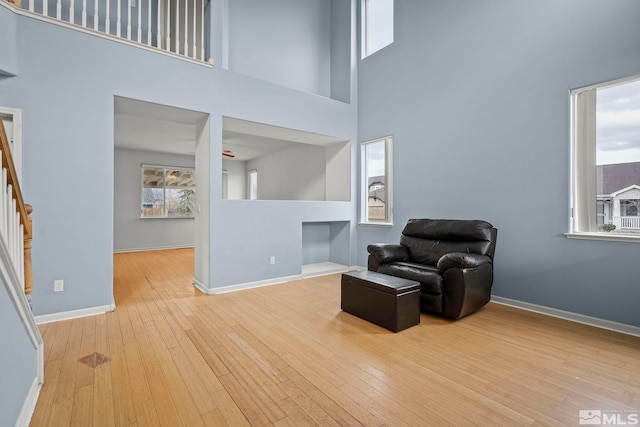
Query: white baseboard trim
(267,282)
(200,286)
(156,248)
(568,315)
(29,405)
(256,284)
(74,314)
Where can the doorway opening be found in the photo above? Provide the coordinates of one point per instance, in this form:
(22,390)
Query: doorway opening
(161,179)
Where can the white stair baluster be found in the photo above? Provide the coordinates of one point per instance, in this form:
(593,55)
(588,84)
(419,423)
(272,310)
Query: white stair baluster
(149,24)
(21,255)
(72,12)
(3,204)
(107,21)
(177,26)
(84,13)
(95,17)
(59,10)
(128,19)
(186,28)
(118,17)
(202,30)
(9,221)
(195,27)
(139,6)
(45,7)
(168,46)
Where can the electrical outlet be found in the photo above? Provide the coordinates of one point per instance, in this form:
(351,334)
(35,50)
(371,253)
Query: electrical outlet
(58,285)
(272,260)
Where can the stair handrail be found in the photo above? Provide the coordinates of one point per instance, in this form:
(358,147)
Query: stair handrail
(23,209)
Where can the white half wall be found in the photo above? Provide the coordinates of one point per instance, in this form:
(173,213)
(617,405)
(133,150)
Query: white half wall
(131,232)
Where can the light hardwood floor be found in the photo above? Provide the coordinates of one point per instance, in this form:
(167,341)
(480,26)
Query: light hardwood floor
(286,355)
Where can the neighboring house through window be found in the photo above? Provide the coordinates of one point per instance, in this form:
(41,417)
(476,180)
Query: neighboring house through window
(606,158)
(376,156)
(377,28)
(168,192)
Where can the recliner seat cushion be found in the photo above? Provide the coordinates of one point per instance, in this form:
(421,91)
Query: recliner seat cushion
(430,280)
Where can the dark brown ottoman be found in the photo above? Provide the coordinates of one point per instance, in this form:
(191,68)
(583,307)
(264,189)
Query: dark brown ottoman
(387,301)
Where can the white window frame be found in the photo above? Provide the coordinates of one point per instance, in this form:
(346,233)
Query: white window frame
(15,142)
(164,188)
(252,172)
(365,27)
(388,174)
(583,212)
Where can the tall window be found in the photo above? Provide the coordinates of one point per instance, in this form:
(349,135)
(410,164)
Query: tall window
(253,185)
(377,25)
(376,157)
(167,192)
(606,158)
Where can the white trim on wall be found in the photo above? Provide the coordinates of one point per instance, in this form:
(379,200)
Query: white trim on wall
(567,315)
(74,314)
(155,248)
(29,405)
(267,282)
(15,291)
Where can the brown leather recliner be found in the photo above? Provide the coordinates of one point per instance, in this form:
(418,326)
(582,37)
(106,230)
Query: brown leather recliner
(452,260)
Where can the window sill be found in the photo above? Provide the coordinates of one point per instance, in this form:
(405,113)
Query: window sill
(633,238)
(166,217)
(379,224)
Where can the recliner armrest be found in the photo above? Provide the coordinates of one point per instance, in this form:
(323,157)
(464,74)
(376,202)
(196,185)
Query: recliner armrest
(461,260)
(387,252)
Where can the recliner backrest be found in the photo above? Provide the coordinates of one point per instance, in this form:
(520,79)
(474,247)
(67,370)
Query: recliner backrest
(428,239)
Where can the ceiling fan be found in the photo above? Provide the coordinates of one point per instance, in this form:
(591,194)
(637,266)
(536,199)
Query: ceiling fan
(228,153)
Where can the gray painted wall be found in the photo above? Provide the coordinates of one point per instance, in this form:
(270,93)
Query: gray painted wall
(130,232)
(476,96)
(66,89)
(282,41)
(17,359)
(8,47)
(295,173)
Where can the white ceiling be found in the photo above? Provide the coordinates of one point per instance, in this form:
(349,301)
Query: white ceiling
(152,127)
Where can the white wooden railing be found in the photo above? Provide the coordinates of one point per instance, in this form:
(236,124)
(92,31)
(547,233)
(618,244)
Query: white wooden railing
(11,230)
(15,220)
(627,222)
(176,26)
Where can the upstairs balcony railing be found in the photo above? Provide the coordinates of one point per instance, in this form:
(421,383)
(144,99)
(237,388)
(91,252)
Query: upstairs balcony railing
(176,26)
